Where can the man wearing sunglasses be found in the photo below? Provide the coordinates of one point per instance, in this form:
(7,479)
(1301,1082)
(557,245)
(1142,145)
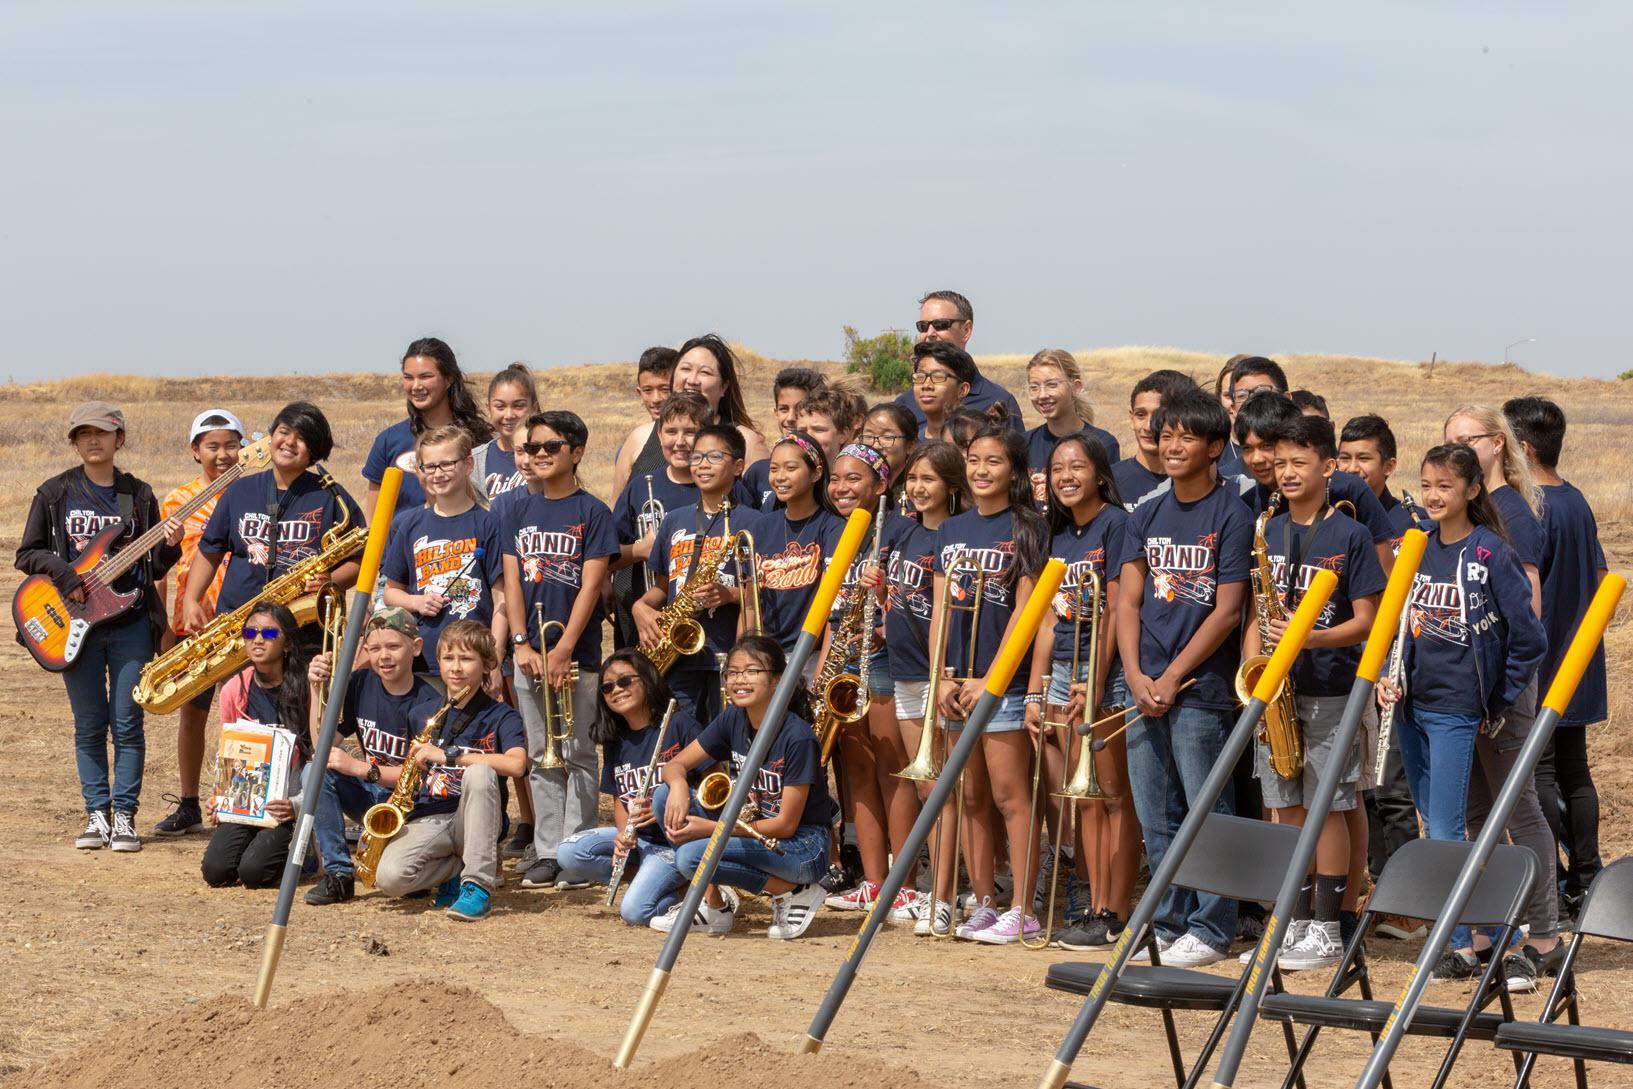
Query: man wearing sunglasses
(948,316)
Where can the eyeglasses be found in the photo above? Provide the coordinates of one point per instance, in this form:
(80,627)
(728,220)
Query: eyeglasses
(268,634)
(940,325)
(881,442)
(933,379)
(623,681)
(548,446)
(1240,395)
(708,457)
(1470,440)
(437,468)
(1054,386)
(748,674)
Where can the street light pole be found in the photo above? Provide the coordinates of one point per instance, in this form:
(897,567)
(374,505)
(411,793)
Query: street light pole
(1516,344)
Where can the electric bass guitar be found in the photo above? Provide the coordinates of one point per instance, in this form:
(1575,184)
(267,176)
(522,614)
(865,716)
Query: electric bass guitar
(53,626)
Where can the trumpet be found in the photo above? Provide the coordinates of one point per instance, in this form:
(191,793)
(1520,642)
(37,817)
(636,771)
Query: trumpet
(1082,783)
(383,820)
(331,613)
(713,792)
(555,701)
(926,763)
(647,521)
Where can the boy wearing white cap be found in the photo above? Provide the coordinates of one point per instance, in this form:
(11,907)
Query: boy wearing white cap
(216,438)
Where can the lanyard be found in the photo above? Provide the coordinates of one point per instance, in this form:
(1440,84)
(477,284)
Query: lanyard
(1296,564)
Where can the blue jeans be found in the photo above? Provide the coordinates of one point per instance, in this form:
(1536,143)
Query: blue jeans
(652,884)
(746,865)
(1169,758)
(342,794)
(101,691)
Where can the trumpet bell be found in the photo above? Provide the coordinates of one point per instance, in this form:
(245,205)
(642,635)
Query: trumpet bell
(551,760)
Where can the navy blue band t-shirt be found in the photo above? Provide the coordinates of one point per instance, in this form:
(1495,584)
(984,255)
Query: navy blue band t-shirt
(1135,483)
(89,509)
(1523,529)
(625,759)
(426,551)
(483,725)
(1342,487)
(757,481)
(909,553)
(499,472)
(675,557)
(1190,550)
(241,526)
(793,555)
(1102,546)
(1570,576)
(989,540)
(382,722)
(669,494)
(1341,546)
(551,540)
(395,447)
(1402,517)
(1041,442)
(795,759)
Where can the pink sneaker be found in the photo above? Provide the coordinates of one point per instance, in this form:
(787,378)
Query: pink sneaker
(981,918)
(858,899)
(1007,930)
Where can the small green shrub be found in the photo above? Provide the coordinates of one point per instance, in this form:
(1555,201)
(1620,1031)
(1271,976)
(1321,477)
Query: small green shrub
(886,359)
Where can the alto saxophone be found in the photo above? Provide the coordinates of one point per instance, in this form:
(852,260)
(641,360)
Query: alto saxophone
(216,650)
(681,633)
(383,820)
(1278,727)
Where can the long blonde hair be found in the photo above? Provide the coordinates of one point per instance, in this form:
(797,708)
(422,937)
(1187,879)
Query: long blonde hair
(1516,469)
(461,441)
(1066,363)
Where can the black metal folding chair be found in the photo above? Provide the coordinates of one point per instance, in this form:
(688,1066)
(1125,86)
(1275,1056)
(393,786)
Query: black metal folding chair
(1607,912)
(1416,883)
(1234,857)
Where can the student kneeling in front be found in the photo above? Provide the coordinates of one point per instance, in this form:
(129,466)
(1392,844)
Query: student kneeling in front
(451,839)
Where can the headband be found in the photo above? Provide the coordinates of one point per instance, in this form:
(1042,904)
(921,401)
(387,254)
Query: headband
(870,457)
(813,452)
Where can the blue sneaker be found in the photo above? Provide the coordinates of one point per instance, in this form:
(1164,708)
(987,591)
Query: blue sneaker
(447,893)
(474,903)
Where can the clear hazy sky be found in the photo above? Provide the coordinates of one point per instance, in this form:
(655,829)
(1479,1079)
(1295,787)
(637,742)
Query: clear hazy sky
(250,187)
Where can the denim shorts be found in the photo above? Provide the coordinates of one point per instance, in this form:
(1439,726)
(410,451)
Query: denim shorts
(880,686)
(1009,717)
(1060,687)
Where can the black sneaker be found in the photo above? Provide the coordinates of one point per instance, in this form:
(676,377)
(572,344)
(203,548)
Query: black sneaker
(543,875)
(519,842)
(1519,973)
(1454,967)
(335,888)
(1100,931)
(97,831)
(1249,928)
(187,817)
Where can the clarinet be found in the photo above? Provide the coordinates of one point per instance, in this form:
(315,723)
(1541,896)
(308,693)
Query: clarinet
(644,794)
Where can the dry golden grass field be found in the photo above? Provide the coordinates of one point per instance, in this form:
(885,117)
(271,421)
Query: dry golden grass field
(90,940)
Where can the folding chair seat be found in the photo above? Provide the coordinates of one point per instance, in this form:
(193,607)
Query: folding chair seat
(1416,883)
(1607,912)
(1233,857)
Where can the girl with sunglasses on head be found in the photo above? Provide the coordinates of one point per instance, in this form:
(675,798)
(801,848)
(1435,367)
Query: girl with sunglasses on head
(273,691)
(1054,382)
(1473,645)
(793,544)
(629,713)
(437,395)
(512,398)
(934,485)
(1007,537)
(444,561)
(1089,528)
(789,798)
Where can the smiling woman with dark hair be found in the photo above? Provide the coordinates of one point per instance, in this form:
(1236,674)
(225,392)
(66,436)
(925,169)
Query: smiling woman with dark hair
(437,396)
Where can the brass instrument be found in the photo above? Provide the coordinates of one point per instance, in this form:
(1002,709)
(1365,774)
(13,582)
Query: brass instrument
(740,547)
(838,696)
(926,764)
(216,651)
(555,701)
(331,612)
(870,610)
(1278,727)
(682,634)
(383,820)
(647,521)
(1396,670)
(713,792)
(1081,784)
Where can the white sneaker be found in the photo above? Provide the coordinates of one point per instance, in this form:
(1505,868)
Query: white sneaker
(905,908)
(707,920)
(982,917)
(1293,935)
(938,923)
(1322,947)
(1191,951)
(1142,955)
(792,912)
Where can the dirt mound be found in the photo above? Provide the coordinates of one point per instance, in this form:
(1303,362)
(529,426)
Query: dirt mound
(404,1038)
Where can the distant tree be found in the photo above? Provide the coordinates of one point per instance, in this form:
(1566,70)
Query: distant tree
(886,359)
(1625,375)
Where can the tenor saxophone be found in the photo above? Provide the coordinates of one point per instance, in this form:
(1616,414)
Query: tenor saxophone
(1278,726)
(384,820)
(216,651)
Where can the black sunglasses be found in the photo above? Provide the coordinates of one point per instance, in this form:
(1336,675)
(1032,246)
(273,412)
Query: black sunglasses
(548,446)
(618,682)
(940,325)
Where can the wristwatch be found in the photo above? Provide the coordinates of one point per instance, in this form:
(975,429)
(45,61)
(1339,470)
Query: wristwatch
(373,774)
(453,753)
(518,638)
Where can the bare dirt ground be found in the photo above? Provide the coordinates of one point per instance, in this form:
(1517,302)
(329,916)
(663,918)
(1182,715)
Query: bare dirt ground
(126,970)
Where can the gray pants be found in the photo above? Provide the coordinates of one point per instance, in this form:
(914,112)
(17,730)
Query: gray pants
(465,843)
(564,800)
(1493,760)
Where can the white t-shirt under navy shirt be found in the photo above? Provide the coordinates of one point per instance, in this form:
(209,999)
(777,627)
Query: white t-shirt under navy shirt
(395,446)
(1341,546)
(427,551)
(1190,550)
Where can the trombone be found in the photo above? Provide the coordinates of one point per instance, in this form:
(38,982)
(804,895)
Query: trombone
(1082,783)
(739,547)
(555,701)
(925,766)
